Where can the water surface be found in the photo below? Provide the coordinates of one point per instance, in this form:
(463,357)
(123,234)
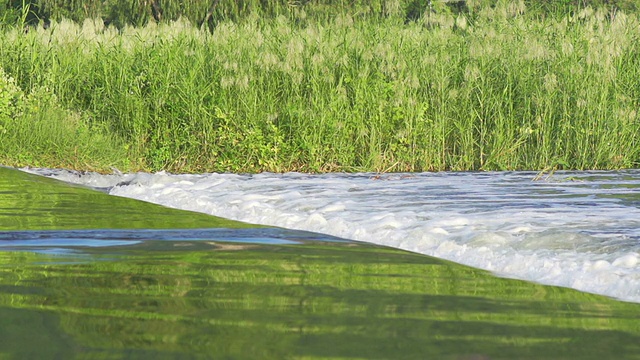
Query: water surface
(574,229)
(119,278)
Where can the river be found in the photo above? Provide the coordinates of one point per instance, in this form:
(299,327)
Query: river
(87,275)
(573,229)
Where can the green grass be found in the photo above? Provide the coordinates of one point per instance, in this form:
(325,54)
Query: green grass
(502,90)
(36,131)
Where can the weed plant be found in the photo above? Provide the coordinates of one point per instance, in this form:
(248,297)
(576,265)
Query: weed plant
(499,90)
(36,131)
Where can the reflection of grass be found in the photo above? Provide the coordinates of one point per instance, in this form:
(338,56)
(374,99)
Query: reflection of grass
(296,299)
(503,90)
(36,203)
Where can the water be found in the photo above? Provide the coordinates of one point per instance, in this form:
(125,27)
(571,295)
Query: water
(88,275)
(573,229)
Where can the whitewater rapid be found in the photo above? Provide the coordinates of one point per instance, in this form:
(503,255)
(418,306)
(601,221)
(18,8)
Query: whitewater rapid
(572,229)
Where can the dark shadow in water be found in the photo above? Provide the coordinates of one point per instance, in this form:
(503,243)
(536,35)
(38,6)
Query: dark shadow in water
(201,290)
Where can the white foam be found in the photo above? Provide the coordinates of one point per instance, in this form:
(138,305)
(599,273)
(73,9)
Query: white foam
(582,234)
(627,261)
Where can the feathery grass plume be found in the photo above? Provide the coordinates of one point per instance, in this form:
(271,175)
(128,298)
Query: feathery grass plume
(494,88)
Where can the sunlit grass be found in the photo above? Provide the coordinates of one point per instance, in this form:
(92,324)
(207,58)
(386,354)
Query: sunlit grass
(502,90)
(45,135)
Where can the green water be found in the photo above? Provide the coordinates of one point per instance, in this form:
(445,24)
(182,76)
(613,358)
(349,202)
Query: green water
(242,292)
(35,202)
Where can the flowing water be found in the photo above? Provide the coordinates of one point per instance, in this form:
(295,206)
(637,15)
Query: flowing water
(86,275)
(573,229)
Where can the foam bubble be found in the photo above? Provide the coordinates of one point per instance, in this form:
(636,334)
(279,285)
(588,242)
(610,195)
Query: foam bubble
(626,261)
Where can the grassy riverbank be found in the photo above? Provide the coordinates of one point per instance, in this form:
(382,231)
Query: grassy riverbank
(502,90)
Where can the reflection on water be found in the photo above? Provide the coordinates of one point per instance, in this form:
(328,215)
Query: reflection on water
(318,300)
(34,202)
(112,237)
(214,293)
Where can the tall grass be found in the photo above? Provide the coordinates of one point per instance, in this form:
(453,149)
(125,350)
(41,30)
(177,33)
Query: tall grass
(209,12)
(497,91)
(36,131)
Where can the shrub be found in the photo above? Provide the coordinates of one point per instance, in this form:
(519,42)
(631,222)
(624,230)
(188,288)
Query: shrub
(11,97)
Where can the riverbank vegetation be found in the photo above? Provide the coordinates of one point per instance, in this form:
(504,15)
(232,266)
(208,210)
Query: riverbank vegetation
(493,86)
